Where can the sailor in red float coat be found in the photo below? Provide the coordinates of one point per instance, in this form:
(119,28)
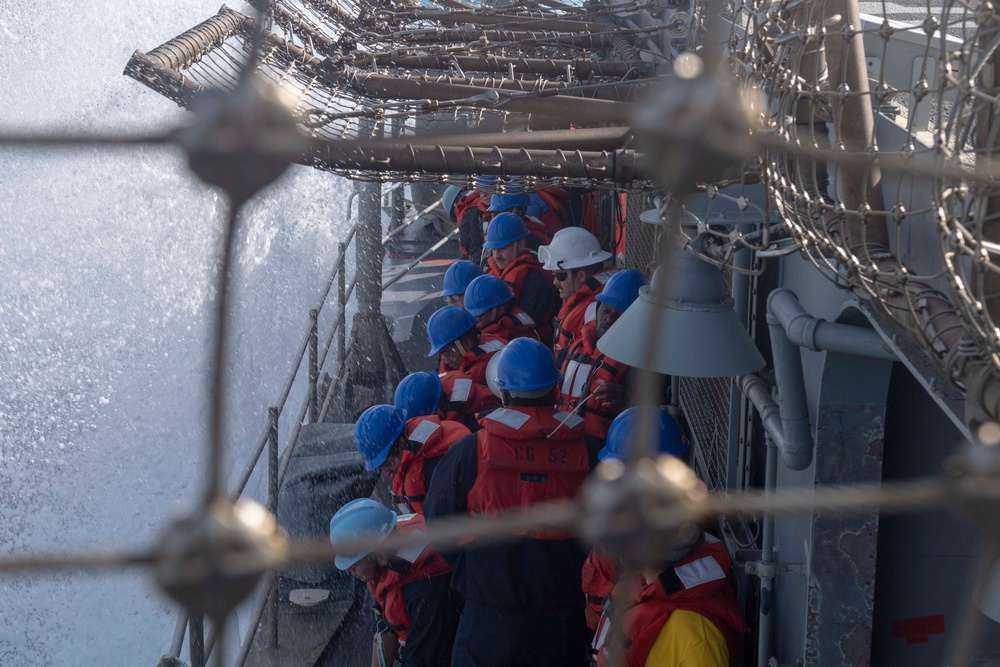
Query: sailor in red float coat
(473,362)
(550,207)
(523,603)
(532,287)
(600,573)
(412,594)
(527,455)
(425,440)
(579,306)
(698,583)
(511,322)
(462,399)
(589,374)
(470,213)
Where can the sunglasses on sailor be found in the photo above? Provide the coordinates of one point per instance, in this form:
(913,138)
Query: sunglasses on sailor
(561,275)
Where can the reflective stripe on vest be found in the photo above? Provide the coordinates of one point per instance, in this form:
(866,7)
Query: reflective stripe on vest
(699,572)
(460,390)
(423,431)
(524,318)
(492,346)
(576,378)
(511,418)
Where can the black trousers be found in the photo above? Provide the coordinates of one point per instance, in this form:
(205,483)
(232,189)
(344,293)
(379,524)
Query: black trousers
(491,637)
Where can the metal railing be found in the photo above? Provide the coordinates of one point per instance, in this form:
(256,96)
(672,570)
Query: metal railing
(313,409)
(269,438)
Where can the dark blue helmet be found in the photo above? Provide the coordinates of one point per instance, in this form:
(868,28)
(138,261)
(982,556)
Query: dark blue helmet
(458,276)
(525,364)
(486,292)
(418,394)
(447,325)
(667,433)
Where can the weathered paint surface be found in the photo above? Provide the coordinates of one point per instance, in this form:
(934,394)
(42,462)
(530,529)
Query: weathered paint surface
(849,443)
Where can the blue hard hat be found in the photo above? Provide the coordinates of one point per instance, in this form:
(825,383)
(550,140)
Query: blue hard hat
(526,364)
(538,206)
(486,292)
(358,519)
(447,325)
(504,229)
(670,438)
(458,276)
(508,201)
(450,195)
(418,394)
(622,289)
(376,430)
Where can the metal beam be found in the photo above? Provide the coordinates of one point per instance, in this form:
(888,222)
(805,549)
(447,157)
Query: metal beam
(600,40)
(380,86)
(387,87)
(476,18)
(584,139)
(621,166)
(584,69)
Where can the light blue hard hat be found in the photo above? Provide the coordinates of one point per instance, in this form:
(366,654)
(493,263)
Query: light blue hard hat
(360,519)
(622,289)
(525,364)
(376,430)
(508,201)
(486,292)
(447,325)
(418,394)
(458,276)
(669,437)
(504,229)
(450,195)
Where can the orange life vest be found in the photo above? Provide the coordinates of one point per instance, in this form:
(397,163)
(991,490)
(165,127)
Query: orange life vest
(579,309)
(515,323)
(514,274)
(472,201)
(527,455)
(557,215)
(584,369)
(475,360)
(600,572)
(700,583)
(427,437)
(411,563)
(463,397)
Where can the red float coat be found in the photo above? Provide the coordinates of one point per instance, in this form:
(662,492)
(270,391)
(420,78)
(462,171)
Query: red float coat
(600,572)
(471,202)
(515,323)
(514,274)
(411,563)
(556,217)
(579,309)
(427,437)
(528,455)
(463,397)
(474,361)
(584,369)
(699,583)
(538,229)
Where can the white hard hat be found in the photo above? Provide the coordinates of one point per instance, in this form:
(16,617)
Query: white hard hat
(572,248)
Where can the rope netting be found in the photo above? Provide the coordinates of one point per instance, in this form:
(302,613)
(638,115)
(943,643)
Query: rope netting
(365,71)
(872,125)
(911,231)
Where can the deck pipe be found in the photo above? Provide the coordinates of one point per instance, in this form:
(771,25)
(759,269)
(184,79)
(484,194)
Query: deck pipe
(791,327)
(766,567)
